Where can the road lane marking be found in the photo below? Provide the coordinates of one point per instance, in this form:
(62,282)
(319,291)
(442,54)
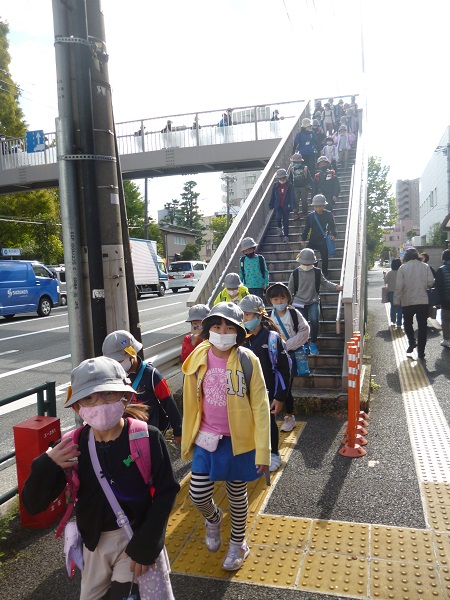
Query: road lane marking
(8,352)
(160,328)
(13,337)
(14,322)
(35,366)
(155,307)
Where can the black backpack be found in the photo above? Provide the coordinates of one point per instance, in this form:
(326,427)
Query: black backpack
(261,266)
(300,177)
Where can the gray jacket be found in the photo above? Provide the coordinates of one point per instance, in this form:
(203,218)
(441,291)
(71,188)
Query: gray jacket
(413,279)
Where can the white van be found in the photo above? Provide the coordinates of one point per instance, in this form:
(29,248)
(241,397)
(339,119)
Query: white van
(185,274)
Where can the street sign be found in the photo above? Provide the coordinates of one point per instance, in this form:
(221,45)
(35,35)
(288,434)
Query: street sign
(11,252)
(35,141)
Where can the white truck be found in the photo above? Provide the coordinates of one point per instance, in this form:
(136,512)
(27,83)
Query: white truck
(150,275)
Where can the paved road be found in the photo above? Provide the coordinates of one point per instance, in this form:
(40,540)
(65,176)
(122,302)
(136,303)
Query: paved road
(36,349)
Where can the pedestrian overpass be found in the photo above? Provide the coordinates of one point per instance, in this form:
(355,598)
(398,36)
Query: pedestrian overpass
(169,145)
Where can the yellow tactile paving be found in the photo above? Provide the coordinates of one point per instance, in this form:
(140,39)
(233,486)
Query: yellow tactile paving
(339,559)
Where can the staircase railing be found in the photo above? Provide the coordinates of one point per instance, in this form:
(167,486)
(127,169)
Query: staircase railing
(353,279)
(251,221)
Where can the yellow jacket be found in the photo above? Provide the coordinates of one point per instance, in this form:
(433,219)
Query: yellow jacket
(224,296)
(248,414)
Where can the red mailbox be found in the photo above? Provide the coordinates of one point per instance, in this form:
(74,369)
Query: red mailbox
(31,438)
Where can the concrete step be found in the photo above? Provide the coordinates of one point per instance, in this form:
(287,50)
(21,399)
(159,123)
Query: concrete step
(320,378)
(275,266)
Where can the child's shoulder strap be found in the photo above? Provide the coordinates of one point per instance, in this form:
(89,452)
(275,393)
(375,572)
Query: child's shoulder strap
(139,448)
(247,366)
(317,274)
(295,275)
(272,344)
(262,266)
(294,317)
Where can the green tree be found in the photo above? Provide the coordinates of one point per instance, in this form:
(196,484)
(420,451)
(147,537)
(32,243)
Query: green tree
(381,212)
(31,222)
(410,234)
(188,214)
(436,237)
(12,123)
(219,227)
(190,252)
(172,213)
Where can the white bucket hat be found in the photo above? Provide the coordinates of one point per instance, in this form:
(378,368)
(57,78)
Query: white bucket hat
(120,344)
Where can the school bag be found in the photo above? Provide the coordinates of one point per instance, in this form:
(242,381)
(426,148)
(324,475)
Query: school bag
(272,345)
(300,353)
(262,266)
(139,453)
(301,179)
(135,386)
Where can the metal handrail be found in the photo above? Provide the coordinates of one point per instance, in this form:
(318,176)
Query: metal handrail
(251,221)
(46,407)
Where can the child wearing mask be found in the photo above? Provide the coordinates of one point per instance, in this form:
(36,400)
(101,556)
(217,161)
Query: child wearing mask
(326,181)
(297,330)
(100,393)
(304,284)
(150,386)
(196,315)
(234,290)
(253,269)
(226,426)
(303,183)
(277,377)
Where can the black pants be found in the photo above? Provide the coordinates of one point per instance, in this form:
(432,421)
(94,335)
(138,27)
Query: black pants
(274,435)
(283,215)
(320,245)
(421,313)
(310,162)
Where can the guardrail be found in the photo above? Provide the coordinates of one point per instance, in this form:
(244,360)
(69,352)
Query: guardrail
(46,407)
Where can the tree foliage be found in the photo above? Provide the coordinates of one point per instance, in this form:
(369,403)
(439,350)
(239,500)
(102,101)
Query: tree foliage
(31,221)
(410,234)
(219,226)
(186,213)
(436,237)
(381,211)
(190,252)
(12,123)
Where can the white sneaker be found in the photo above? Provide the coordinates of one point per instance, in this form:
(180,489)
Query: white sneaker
(236,555)
(213,539)
(289,423)
(445,343)
(275,462)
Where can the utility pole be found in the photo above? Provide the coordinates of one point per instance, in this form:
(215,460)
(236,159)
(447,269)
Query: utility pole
(146,208)
(95,230)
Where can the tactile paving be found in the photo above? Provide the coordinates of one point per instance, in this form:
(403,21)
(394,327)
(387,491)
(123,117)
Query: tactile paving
(268,565)
(288,532)
(334,573)
(397,543)
(343,538)
(403,581)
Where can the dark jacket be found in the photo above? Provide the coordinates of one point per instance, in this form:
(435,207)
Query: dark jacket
(259,345)
(163,410)
(289,197)
(326,183)
(326,219)
(442,284)
(305,142)
(148,516)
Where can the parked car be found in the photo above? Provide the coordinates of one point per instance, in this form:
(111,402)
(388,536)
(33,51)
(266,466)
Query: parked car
(185,273)
(27,286)
(60,274)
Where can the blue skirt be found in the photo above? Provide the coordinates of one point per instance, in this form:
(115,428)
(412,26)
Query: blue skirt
(222,465)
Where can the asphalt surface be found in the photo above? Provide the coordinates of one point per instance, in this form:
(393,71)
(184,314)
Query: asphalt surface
(317,482)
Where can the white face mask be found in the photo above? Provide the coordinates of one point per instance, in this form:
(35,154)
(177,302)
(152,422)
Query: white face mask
(307,267)
(232,293)
(127,364)
(222,341)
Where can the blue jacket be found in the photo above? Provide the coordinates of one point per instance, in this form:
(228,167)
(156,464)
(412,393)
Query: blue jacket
(289,197)
(305,142)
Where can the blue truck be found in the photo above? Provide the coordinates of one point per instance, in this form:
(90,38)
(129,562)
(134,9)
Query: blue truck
(27,286)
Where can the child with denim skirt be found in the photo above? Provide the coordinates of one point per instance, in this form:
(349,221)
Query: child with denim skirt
(226,426)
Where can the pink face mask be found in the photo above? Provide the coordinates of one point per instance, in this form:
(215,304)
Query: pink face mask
(102,416)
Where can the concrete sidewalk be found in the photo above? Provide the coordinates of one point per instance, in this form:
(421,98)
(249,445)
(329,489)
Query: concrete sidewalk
(382,517)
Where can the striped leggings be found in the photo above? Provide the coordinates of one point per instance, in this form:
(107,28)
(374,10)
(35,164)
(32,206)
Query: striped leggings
(201,493)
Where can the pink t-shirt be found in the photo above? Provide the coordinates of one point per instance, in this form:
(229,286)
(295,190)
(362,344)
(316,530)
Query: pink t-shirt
(214,413)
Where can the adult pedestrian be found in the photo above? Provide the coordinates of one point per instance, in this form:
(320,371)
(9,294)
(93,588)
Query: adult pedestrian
(318,224)
(413,279)
(306,142)
(442,284)
(390,279)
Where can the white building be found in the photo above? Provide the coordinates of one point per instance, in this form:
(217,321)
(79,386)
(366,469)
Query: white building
(434,188)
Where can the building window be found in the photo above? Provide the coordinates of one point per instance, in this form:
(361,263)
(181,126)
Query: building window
(179,240)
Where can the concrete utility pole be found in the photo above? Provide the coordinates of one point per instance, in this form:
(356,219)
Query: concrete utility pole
(228,179)
(94,224)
